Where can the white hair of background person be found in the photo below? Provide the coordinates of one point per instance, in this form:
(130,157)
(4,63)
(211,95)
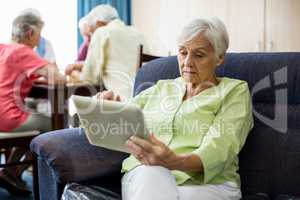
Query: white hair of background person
(25,24)
(32,11)
(104,13)
(213,29)
(83,23)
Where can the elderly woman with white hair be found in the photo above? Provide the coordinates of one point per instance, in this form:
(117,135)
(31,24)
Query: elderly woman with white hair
(20,66)
(113,53)
(84,25)
(199,123)
(98,17)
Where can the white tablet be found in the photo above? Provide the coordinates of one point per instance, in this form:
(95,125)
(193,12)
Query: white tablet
(109,124)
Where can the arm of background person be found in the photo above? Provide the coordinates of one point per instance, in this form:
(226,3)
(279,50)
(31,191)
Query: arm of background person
(52,74)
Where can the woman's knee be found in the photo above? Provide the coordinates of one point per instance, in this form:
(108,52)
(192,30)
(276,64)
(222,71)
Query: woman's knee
(149,182)
(148,174)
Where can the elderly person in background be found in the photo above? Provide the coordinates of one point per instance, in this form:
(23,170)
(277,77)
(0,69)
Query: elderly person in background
(45,50)
(113,52)
(20,66)
(84,25)
(44,47)
(199,123)
(85,31)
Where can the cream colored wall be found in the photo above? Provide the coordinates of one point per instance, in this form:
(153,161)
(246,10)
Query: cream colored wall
(253,26)
(161,20)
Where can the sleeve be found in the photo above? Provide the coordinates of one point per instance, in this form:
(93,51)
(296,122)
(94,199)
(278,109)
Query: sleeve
(96,58)
(49,52)
(29,61)
(142,98)
(82,53)
(228,133)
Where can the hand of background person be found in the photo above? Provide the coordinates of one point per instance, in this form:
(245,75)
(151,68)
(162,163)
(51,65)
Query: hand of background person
(73,67)
(74,77)
(108,95)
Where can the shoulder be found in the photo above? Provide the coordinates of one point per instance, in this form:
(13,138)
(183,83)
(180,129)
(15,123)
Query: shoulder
(234,88)
(15,52)
(161,86)
(100,35)
(21,49)
(169,82)
(234,84)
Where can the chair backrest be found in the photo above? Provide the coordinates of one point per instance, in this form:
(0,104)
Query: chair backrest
(143,57)
(270,159)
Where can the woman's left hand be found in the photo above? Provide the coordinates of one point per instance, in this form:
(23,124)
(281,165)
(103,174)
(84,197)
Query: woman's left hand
(153,152)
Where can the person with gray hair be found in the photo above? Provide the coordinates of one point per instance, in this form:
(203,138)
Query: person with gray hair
(198,123)
(98,17)
(84,26)
(20,66)
(112,55)
(101,15)
(44,47)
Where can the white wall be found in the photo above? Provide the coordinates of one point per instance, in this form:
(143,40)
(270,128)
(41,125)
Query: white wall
(60,24)
(161,20)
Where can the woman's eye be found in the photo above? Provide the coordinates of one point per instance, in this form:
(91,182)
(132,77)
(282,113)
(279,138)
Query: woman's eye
(183,52)
(199,55)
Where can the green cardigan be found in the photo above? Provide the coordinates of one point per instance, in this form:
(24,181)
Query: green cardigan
(213,125)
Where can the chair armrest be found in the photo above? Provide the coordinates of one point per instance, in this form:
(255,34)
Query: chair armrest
(73,158)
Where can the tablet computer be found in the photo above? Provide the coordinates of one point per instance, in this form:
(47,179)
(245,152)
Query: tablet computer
(109,124)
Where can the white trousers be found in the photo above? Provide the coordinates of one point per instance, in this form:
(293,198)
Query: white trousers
(157,183)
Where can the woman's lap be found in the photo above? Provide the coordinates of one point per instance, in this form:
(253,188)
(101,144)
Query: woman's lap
(153,182)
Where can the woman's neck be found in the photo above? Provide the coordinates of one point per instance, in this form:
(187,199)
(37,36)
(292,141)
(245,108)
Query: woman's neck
(22,42)
(193,89)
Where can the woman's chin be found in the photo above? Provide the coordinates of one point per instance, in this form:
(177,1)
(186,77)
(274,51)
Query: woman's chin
(189,79)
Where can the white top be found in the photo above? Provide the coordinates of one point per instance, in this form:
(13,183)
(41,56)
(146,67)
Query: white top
(112,58)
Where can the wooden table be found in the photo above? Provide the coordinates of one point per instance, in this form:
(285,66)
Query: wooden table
(58,96)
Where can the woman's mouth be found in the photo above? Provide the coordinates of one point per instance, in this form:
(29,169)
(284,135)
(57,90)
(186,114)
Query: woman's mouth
(189,72)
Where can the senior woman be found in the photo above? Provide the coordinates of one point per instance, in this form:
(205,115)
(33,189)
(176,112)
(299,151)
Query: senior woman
(19,67)
(199,123)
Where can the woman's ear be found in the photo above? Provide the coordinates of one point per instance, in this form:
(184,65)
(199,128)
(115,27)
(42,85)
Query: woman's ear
(221,59)
(100,23)
(29,33)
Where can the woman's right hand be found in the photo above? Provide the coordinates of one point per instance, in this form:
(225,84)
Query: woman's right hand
(72,67)
(108,95)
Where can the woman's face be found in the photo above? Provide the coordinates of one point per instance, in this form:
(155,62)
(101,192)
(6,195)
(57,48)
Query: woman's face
(197,60)
(35,37)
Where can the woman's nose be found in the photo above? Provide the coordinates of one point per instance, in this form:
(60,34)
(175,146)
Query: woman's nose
(188,61)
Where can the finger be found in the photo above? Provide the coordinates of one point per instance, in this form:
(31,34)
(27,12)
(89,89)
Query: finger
(134,149)
(144,144)
(98,95)
(156,141)
(118,98)
(138,152)
(107,95)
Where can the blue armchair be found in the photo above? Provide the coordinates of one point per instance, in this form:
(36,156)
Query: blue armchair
(269,161)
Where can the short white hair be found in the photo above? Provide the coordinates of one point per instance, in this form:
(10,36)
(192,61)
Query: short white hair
(104,13)
(83,22)
(25,24)
(213,29)
(32,11)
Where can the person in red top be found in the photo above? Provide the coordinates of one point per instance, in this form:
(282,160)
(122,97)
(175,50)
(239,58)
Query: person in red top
(20,66)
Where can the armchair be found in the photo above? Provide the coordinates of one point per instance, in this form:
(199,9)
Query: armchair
(269,161)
